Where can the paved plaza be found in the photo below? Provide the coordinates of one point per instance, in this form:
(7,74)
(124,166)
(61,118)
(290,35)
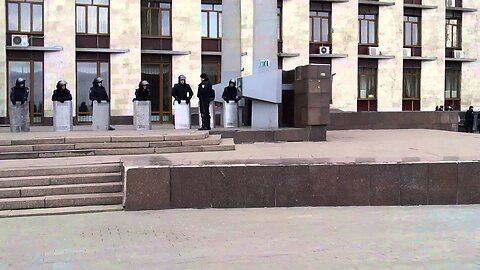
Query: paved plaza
(295,238)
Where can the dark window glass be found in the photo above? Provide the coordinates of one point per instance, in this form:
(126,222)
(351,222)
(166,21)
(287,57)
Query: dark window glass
(367,29)
(93,16)
(25,16)
(452,84)
(453,33)
(211,21)
(367,83)
(156,19)
(411,83)
(86,73)
(320,27)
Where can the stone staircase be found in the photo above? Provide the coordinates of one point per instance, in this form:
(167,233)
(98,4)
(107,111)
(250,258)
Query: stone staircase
(58,190)
(74,146)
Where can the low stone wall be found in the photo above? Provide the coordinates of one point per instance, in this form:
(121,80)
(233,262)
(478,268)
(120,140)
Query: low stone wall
(289,185)
(246,135)
(394,120)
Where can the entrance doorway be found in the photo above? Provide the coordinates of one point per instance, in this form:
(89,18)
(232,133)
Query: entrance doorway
(159,75)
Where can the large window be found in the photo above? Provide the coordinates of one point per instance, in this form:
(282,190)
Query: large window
(320,27)
(411,27)
(367,29)
(211,21)
(159,76)
(86,73)
(213,70)
(25,16)
(156,19)
(452,83)
(367,83)
(32,72)
(411,89)
(454,33)
(93,17)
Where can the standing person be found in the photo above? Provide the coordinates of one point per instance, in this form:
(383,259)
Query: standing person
(230,93)
(469,120)
(182,90)
(98,93)
(205,94)
(19,93)
(143,93)
(61,94)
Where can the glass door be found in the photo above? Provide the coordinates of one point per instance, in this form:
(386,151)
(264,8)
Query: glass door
(159,77)
(86,73)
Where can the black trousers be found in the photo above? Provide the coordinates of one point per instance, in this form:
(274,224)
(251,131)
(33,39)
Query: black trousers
(205,113)
(469,127)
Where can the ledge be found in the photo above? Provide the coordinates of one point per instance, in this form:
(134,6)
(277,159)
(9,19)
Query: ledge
(335,1)
(462,9)
(282,54)
(166,52)
(329,55)
(364,56)
(101,50)
(376,3)
(36,48)
(420,58)
(212,53)
(420,6)
(460,59)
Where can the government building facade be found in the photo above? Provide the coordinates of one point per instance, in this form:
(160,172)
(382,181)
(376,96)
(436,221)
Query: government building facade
(387,55)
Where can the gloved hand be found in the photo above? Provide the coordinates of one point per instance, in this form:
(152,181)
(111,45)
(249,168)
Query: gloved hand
(178,101)
(23,102)
(99,101)
(228,101)
(62,101)
(108,100)
(14,103)
(188,101)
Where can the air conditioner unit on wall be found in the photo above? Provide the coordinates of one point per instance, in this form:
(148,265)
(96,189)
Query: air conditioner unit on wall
(20,41)
(458,54)
(407,52)
(450,3)
(374,51)
(324,50)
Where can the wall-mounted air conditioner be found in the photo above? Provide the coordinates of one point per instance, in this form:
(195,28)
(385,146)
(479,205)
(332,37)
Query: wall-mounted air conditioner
(324,50)
(374,51)
(407,52)
(20,41)
(458,54)
(450,3)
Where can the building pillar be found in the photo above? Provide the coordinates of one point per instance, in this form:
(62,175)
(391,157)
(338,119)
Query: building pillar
(345,41)
(247,37)
(125,68)
(3,63)
(470,83)
(59,29)
(296,32)
(390,71)
(187,36)
(432,83)
(231,40)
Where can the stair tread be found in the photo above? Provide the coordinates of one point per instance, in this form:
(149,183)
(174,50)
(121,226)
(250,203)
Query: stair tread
(60,210)
(63,167)
(63,197)
(38,177)
(105,184)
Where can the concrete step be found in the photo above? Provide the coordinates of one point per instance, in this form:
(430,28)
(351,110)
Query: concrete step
(61,170)
(225,145)
(211,140)
(39,191)
(61,201)
(33,181)
(60,211)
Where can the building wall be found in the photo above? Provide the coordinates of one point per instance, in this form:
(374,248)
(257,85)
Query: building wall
(125,68)
(433,45)
(186,34)
(295,33)
(390,71)
(247,36)
(345,41)
(59,27)
(470,92)
(3,64)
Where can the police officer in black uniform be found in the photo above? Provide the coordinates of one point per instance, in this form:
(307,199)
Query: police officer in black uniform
(98,93)
(61,94)
(182,90)
(230,93)
(143,92)
(19,93)
(205,94)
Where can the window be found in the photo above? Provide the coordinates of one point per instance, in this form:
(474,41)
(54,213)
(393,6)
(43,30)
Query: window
(367,27)
(213,70)
(454,33)
(411,27)
(319,27)
(211,21)
(32,72)
(25,16)
(367,83)
(411,83)
(452,84)
(156,19)
(86,72)
(93,17)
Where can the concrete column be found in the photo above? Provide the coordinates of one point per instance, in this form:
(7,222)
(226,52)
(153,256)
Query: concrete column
(3,63)
(231,40)
(470,84)
(345,41)
(247,36)
(390,72)
(296,32)
(433,45)
(125,68)
(59,27)
(187,36)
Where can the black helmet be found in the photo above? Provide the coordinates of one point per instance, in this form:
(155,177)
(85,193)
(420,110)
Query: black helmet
(182,77)
(143,83)
(61,83)
(204,76)
(98,80)
(20,81)
(233,81)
